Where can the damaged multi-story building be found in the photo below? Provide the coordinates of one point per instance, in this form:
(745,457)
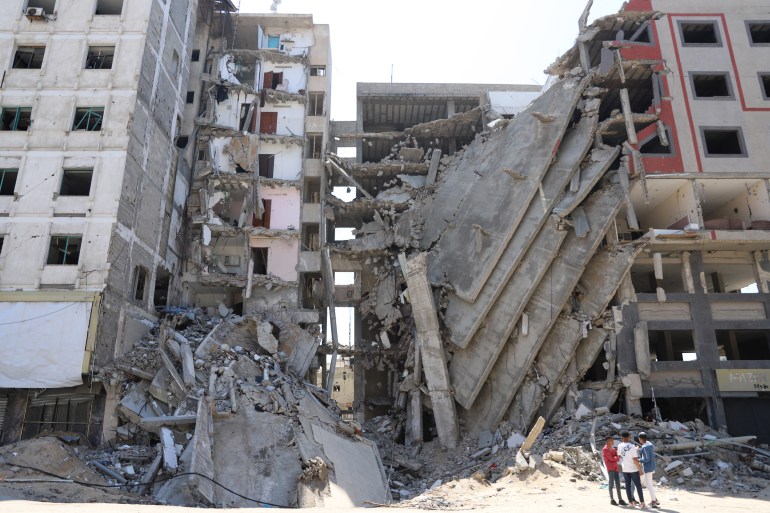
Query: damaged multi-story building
(260,125)
(93,195)
(597,249)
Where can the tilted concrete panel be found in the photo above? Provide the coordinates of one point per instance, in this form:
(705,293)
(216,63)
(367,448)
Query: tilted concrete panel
(481,226)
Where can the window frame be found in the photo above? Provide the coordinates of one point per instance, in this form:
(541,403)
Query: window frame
(3,173)
(111,57)
(19,110)
(717,33)
(277,41)
(748,32)
(97,13)
(311,147)
(89,111)
(728,80)
(741,141)
(67,170)
(312,97)
(34,49)
(764,89)
(79,237)
(318,67)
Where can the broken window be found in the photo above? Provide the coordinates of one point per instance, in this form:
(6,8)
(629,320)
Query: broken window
(311,237)
(268,123)
(711,85)
(190,97)
(317,71)
(182,141)
(248,109)
(723,142)
(272,80)
(264,221)
(314,148)
(764,84)
(642,35)
(160,293)
(100,57)
(8,181)
(315,104)
(759,32)
(109,7)
(672,346)
(29,57)
(260,260)
(274,42)
(140,282)
(266,165)
(16,118)
(76,182)
(704,33)
(88,119)
(196,56)
(313,191)
(64,249)
(743,345)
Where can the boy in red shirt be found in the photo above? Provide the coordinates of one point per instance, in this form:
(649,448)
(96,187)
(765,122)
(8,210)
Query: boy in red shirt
(611,458)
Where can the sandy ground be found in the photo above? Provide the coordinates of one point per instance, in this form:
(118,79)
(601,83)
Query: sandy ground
(549,490)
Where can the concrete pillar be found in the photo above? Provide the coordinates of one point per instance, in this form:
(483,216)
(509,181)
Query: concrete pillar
(359,129)
(110,423)
(451,110)
(14,417)
(359,379)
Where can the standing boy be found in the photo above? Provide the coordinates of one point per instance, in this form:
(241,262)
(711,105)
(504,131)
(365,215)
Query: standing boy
(632,469)
(647,459)
(610,455)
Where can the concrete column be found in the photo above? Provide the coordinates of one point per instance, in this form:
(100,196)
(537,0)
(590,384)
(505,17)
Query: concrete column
(760,274)
(451,110)
(359,379)
(359,129)
(110,423)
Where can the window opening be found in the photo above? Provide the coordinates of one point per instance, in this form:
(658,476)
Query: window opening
(727,142)
(711,85)
(268,123)
(88,119)
(274,42)
(246,109)
(272,79)
(704,33)
(654,146)
(140,283)
(8,181)
(759,32)
(317,71)
(16,118)
(100,57)
(196,56)
(260,260)
(76,182)
(29,57)
(160,292)
(181,141)
(316,104)
(264,222)
(672,346)
(109,7)
(764,82)
(64,250)
(743,345)
(314,146)
(266,165)
(190,96)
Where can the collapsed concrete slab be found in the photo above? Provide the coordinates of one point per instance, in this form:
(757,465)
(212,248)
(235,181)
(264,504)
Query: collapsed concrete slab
(508,175)
(544,308)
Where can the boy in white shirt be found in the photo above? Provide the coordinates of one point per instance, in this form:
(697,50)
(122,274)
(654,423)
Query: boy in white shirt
(631,468)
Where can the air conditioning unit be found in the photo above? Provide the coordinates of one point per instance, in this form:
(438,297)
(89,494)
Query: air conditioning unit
(232,260)
(35,13)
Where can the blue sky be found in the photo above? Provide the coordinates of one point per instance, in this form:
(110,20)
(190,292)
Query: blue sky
(485,41)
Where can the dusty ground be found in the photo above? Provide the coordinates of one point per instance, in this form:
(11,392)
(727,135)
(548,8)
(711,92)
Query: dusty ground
(548,490)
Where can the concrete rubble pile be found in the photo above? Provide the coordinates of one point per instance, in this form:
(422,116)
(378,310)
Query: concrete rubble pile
(218,402)
(689,455)
(501,268)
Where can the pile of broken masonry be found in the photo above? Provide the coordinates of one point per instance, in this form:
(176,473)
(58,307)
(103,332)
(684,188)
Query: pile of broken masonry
(689,455)
(214,412)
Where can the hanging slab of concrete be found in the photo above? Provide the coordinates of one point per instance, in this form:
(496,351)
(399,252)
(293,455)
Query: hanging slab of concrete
(585,356)
(254,454)
(470,367)
(544,307)
(486,218)
(300,347)
(464,318)
(600,162)
(359,477)
(432,350)
(600,281)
